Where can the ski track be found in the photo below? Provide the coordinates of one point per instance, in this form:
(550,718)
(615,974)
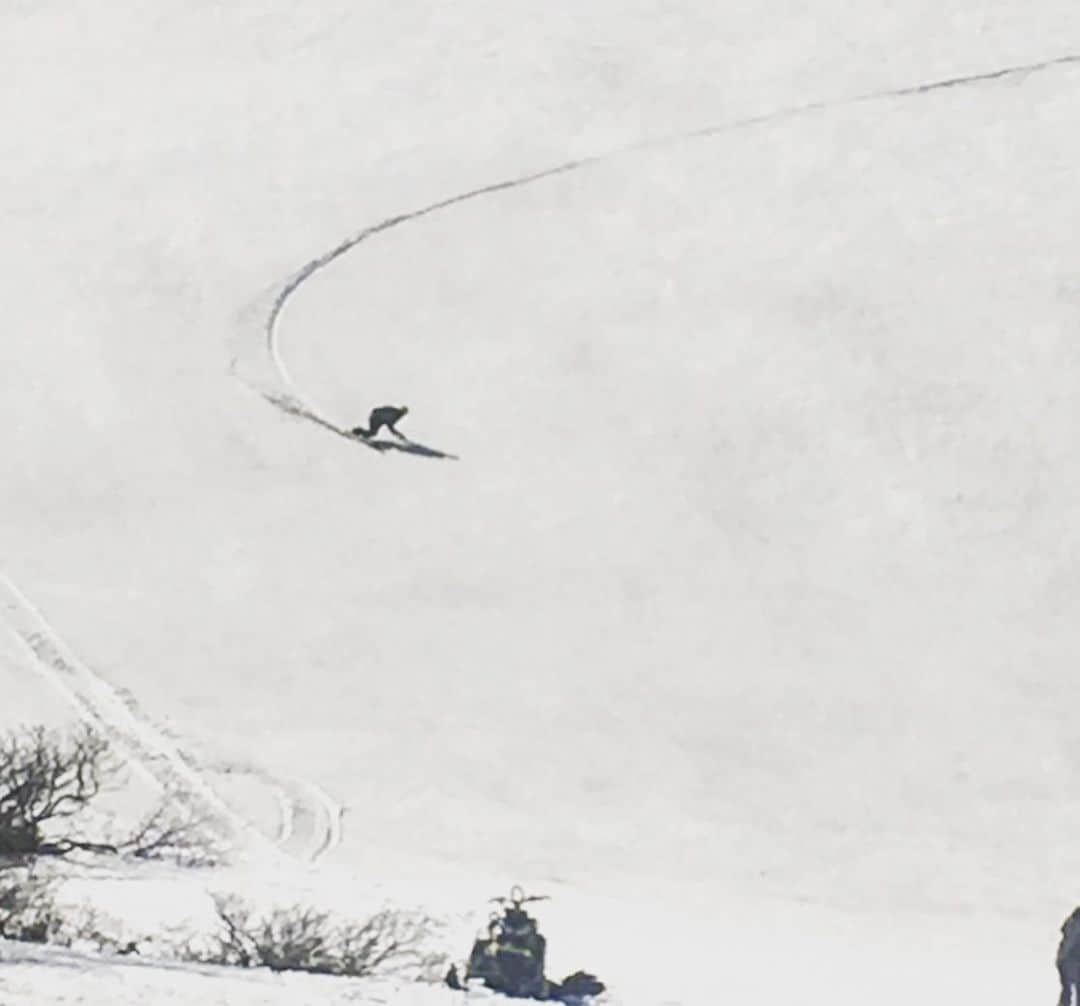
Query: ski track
(150,751)
(309,819)
(288,398)
(294,402)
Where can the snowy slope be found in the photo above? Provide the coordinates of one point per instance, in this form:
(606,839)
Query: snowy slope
(754,581)
(787,483)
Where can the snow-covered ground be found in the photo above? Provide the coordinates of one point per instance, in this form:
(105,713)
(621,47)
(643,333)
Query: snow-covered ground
(745,622)
(47,975)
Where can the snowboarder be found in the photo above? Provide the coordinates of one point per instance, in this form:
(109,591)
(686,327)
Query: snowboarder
(384,415)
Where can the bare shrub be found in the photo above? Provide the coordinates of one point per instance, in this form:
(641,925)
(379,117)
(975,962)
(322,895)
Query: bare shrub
(296,939)
(233,944)
(85,927)
(175,832)
(299,938)
(27,909)
(387,940)
(46,779)
(31,912)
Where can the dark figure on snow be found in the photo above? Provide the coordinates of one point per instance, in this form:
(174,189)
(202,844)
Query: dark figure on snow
(1068,961)
(510,959)
(384,415)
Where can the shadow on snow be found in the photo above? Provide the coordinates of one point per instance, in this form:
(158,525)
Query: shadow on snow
(294,408)
(406,447)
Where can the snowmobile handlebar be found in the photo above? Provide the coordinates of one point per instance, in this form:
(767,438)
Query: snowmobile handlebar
(518,897)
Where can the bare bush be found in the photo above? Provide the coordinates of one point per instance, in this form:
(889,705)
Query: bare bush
(296,939)
(46,779)
(27,909)
(49,779)
(387,940)
(305,939)
(175,832)
(85,927)
(31,912)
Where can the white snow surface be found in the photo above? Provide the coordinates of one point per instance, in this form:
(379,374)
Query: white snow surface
(38,975)
(745,624)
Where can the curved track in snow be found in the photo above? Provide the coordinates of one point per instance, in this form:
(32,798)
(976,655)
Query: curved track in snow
(290,399)
(282,392)
(310,821)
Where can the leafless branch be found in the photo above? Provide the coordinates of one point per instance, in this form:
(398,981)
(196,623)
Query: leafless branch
(306,939)
(46,777)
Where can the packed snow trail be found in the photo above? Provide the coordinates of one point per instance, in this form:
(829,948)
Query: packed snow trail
(149,751)
(291,400)
(296,408)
